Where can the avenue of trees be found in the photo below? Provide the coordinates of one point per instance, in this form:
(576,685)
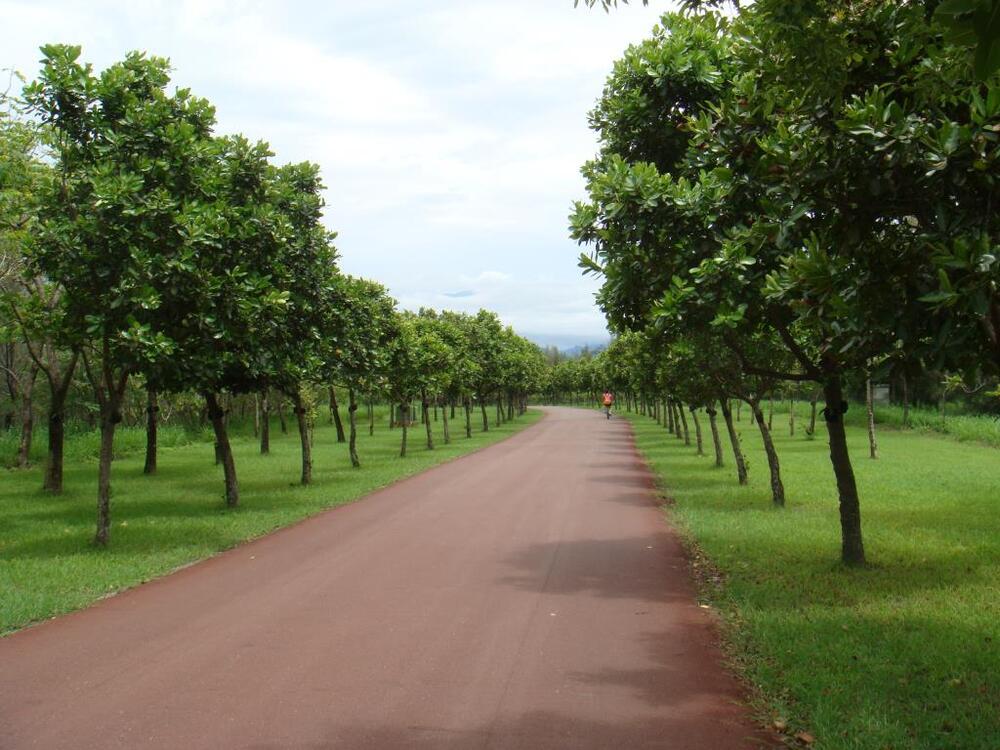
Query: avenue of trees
(141,253)
(797,195)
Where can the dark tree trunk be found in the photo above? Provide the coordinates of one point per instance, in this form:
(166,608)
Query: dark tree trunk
(371,418)
(510,407)
(467,403)
(697,430)
(256,415)
(906,401)
(684,423)
(453,410)
(716,442)
(223,448)
(335,416)
(870,406)
(281,416)
(352,421)
(677,419)
(300,418)
(444,424)
(27,418)
(109,421)
(734,439)
(59,383)
(669,417)
(486,423)
(152,412)
(425,404)
(265,424)
(791,417)
(405,409)
(777,488)
(852,546)
(770,412)
(53,479)
(110,399)
(739,409)
(812,414)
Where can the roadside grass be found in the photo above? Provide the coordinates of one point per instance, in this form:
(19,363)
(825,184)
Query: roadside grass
(49,566)
(904,653)
(964,427)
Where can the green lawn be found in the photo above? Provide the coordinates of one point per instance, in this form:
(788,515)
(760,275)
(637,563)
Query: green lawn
(49,566)
(902,654)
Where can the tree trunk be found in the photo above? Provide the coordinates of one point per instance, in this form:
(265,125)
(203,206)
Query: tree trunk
(777,488)
(59,383)
(27,418)
(812,414)
(697,430)
(734,439)
(256,415)
(335,416)
(852,546)
(223,448)
(510,407)
(405,409)
(53,480)
(352,421)
(677,419)
(486,423)
(669,416)
(467,403)
(108,423)
(444,424)
(152,412)
(791,416)
(770,412)
(739,408)
(371,418)
(716,442)
(110,399)
(425,404)
(906,402)
(265,424)
(299,409)
(870,406)
(281,416)
(684,423)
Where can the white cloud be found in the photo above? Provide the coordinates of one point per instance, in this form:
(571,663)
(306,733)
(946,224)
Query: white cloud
(450,134)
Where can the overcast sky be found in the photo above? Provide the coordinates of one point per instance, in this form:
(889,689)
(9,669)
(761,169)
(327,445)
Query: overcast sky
(450,132)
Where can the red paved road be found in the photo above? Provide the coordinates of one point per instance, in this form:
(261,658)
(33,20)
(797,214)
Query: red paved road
(528,596)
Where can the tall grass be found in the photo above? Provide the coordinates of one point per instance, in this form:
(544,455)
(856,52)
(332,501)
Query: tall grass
(965,427)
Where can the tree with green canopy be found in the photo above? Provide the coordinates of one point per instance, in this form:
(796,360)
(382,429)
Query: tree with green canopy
(126,160)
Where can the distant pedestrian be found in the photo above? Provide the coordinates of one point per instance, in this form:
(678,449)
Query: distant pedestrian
(608,401)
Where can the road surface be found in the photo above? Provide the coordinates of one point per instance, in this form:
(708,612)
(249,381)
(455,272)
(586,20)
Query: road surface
(528,596)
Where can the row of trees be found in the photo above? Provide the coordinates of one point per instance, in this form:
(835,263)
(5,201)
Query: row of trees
(802,192)
(138,244)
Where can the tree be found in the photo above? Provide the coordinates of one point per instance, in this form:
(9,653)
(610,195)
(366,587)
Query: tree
(367,330)
(123,168)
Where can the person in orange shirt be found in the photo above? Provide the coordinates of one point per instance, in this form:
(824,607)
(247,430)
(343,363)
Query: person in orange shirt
(608,401)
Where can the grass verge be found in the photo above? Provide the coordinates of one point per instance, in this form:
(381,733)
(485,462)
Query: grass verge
(49,566)
(903,654)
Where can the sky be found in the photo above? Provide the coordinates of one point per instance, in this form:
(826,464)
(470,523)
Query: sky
(450,133)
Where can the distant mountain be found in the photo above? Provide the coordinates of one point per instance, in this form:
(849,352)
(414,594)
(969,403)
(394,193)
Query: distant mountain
(568,343)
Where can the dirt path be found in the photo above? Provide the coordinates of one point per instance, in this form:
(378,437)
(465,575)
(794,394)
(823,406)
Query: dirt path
(527,596)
